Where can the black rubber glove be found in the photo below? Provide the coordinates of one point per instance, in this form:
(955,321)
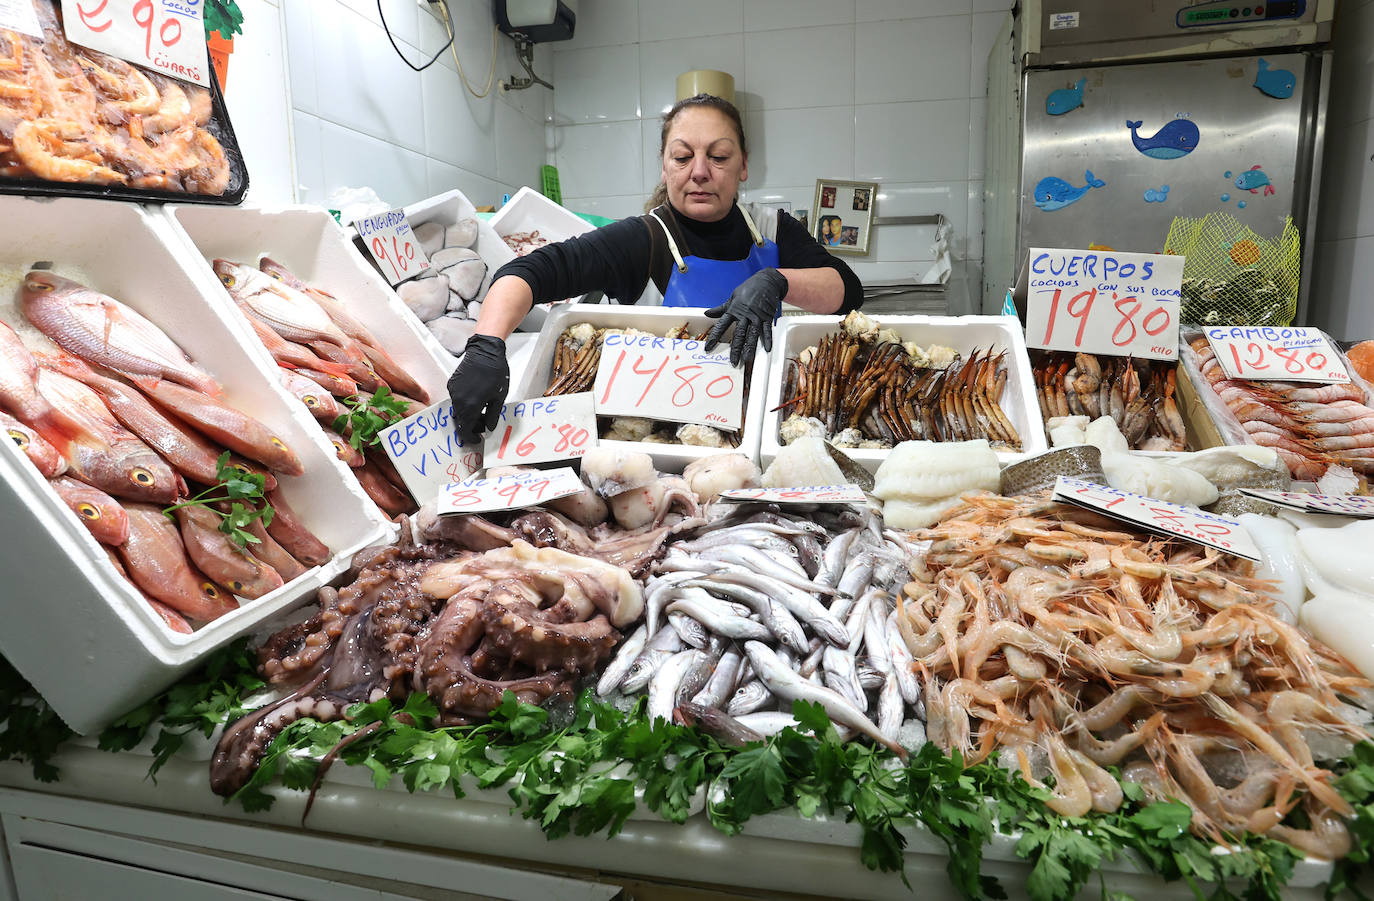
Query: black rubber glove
(478,387)
(752,309)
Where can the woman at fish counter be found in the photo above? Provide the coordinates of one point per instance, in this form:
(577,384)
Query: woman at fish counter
(697,247)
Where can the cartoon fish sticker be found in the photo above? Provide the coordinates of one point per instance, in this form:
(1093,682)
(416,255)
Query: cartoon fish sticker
(1253,179)
(1157,195)
(1065,99)
(1054,193)
(1178,138)
(1277,83)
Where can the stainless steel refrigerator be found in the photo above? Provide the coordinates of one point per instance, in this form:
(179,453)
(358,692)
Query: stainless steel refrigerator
(1106,120)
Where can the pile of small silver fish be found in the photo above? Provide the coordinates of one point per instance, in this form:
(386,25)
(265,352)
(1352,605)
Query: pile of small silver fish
(759,608)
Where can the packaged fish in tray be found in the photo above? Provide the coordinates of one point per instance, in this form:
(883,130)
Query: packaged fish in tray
(671,458)
(982,356)
(87,639)
(112,129)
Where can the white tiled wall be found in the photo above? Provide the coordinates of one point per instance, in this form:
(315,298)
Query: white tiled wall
(361,117)
(1341,286)
(889,91)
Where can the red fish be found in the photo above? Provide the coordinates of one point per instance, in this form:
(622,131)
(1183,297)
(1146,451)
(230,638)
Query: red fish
(101,330)
(98,512)
(38,449)
(293,535)
(156,560)
(392,500)
(221,559)
(317,399)
(19,394)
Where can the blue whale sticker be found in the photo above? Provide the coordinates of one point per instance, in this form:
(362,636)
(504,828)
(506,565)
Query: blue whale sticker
(1065,99)
(1178,138)
(1157,196)
(1054,193)
(1277,83)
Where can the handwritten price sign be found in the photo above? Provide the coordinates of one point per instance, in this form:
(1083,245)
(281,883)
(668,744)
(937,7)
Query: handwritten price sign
(829,494)
(1339,504)
(1160,517)
(19,15)
(542,429)
(1278,354)
(508,492)
(675,381)
(393,245)
(165,35)
(1120,304)
(427,452)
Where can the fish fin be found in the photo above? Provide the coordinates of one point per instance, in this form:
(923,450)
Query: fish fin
(1130,124)
(1253,168)
(1081,82)
(1263,65)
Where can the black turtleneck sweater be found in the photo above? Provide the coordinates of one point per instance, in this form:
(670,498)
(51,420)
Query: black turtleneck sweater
(618,258)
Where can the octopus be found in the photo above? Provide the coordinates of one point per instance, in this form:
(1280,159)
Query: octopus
(463,629)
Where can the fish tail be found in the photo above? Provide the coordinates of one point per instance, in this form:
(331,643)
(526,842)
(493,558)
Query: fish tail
(1264,65)
(1134,125)
(1093,181)
(1081,82)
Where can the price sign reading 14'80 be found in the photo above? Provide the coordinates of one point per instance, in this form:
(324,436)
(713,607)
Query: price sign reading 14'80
(167,36)
(675,381)
(393,245)
(1103,302)
(1278,354)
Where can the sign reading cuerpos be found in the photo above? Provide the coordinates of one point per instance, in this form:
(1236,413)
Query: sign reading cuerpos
(1102,302)
(675,381)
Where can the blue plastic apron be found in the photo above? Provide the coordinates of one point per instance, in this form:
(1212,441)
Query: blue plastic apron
(699,282)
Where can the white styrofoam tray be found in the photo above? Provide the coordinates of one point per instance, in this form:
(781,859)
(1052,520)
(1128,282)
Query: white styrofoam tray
(963,333)
(88,642)
(528,210)
(671,458)
(449,208)
(307,241)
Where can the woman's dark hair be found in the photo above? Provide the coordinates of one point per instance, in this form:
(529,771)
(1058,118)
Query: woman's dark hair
(709,101)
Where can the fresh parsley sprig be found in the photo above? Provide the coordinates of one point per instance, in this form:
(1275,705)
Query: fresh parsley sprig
(234,485)
(367,416)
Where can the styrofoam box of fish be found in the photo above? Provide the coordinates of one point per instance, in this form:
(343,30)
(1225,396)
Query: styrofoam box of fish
(528,211)
(307,241)
(965,334)
(451,207)
(670,458)
(86,639)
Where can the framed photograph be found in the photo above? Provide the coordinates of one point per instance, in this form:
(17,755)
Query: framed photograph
(804,217)
(844,215)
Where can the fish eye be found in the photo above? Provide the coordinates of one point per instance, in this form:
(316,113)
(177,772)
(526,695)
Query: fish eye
(277,442)
(19,438)
(35,285)
(340,450)
(88,511)
(276,275)
(311,400)
(236,585)
(141,476)
(228,280)
(210,589)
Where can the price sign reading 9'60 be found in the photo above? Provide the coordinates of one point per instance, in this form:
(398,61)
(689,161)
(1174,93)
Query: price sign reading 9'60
(393,245)
(1104,302)
(542,429)
(675,381)
(1278,354)
(1161,517)
(167,36)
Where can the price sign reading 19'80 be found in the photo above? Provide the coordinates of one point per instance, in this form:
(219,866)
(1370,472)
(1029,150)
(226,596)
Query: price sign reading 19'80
(509,492)
(1276,353)
(167,36)
(675,381)
(393,245)
(1103,302)
(542,429)
(1161,517)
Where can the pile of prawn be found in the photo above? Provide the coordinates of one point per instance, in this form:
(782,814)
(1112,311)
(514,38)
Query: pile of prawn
(1072,645)
(72,114)
(1137,394)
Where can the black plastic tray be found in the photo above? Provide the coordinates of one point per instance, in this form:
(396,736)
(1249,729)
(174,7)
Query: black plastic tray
(219,126)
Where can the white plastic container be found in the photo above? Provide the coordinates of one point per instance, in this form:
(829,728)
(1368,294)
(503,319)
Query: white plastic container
(448,209)
(307,241)
(672,458)
(963,333)
(88,642)
(528,210)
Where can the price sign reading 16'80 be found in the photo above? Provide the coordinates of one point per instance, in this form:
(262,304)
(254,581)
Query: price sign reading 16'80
(1104,302)
(675,381)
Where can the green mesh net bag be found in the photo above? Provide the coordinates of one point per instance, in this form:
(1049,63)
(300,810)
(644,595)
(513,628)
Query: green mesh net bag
(1233,276)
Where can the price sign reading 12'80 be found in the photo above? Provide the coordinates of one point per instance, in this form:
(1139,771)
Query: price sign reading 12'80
(675,381)
(393,245)
(167,36)
(1104,302)
(1274,353)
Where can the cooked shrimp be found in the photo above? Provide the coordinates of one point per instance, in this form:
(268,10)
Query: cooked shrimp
(37,144)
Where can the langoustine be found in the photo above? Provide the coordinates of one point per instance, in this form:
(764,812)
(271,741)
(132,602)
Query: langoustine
(1071,644)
